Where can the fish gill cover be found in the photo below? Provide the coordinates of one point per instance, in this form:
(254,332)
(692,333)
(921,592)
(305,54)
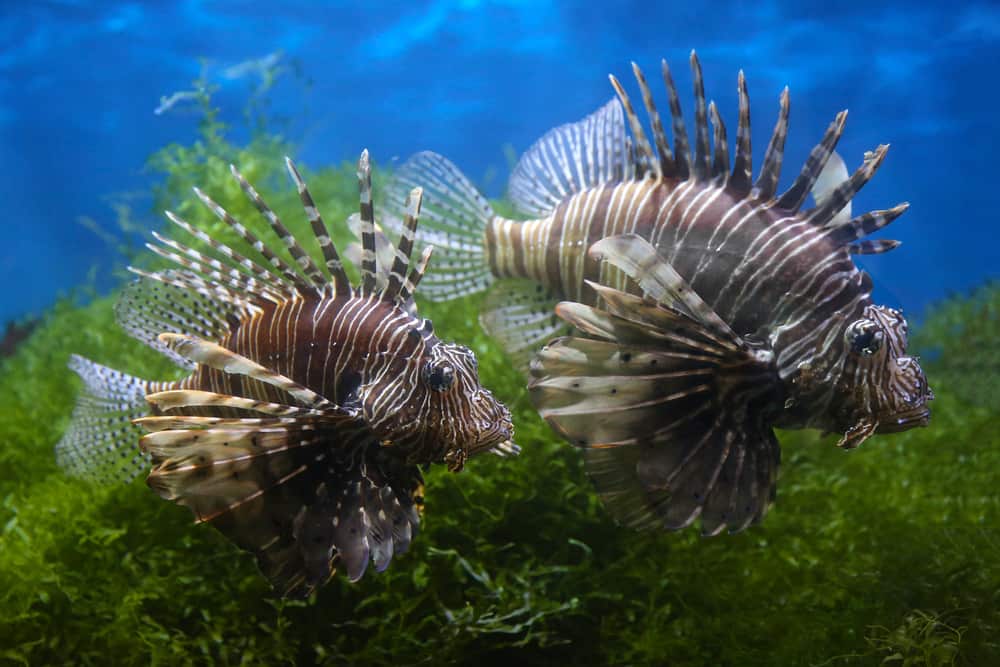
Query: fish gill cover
(888,555)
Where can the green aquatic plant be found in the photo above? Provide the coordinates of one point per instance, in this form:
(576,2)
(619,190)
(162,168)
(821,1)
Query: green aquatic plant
(885,554)
(960,339)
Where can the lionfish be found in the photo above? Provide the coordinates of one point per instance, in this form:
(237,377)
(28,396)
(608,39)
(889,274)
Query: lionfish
(708,309)
(311,403)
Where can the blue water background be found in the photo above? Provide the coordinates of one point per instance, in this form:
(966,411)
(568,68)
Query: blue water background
(79,82)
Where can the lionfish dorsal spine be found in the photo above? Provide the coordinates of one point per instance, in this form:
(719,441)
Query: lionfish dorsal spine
(702,168)
(682,152)
(262,276)
(743,160)
(334,265)
(280,269)
(720,158)
(228,276)
(644,151)
(826,211)
(369,266)
(401,258)
(793,198)
(316,280)
(767,181)
(865,224)
(209,267)
(416,275)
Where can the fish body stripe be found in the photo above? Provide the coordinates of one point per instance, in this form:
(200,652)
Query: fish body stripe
(760,267)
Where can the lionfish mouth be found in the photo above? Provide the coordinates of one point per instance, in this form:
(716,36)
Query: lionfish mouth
(902,421)
(498,438)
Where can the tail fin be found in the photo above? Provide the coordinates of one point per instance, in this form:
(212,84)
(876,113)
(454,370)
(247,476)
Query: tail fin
(453,218)
(101,442)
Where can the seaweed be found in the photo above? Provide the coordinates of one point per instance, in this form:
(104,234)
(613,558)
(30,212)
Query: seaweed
(884,555)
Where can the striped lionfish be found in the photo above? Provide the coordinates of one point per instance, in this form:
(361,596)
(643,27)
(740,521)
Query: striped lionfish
(310,405)
(709,308)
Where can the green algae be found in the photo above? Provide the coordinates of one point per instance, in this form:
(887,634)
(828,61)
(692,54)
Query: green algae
(884,555)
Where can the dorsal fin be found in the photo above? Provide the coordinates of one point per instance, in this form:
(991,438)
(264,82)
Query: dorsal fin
(212,269)
(827,210)
(720,162)
(401,259)
(767,180)
(236,260)
(792,199)
(644,158)
(282,270)
(743,160)
(302,259)
(569,159)
(702,168)
(866,224)
(369,266)
(665,166)
(416,274)
(873,246)
(334,265)
(682,152)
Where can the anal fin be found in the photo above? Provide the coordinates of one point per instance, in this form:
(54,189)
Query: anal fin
(520,315)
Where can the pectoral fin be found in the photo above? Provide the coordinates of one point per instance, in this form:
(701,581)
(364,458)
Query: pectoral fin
(668,402)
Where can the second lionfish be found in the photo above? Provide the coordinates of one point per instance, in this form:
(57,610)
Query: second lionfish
(708,307)
(310,405)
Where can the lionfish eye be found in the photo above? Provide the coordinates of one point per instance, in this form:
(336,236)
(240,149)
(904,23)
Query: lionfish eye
(865,337)
(440,377)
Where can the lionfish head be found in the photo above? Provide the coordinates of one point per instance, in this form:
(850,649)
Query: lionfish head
(449,412)
(888,389)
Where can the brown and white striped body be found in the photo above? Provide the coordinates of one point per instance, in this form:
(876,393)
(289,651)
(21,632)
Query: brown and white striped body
(310,403)
(357,351)
(749,310)
(770,273)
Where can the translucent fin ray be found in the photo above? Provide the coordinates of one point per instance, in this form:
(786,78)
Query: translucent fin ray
(664,401)
(101,442)
(453,218)
(520,317)
(569,159)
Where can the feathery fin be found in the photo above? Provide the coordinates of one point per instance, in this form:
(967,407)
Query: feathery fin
(453,218)
(569,159)
(519,315)
(227,361)
(665,403)
(101,443)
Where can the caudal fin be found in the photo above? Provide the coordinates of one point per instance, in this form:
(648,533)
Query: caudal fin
(453,218)
(101,442)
